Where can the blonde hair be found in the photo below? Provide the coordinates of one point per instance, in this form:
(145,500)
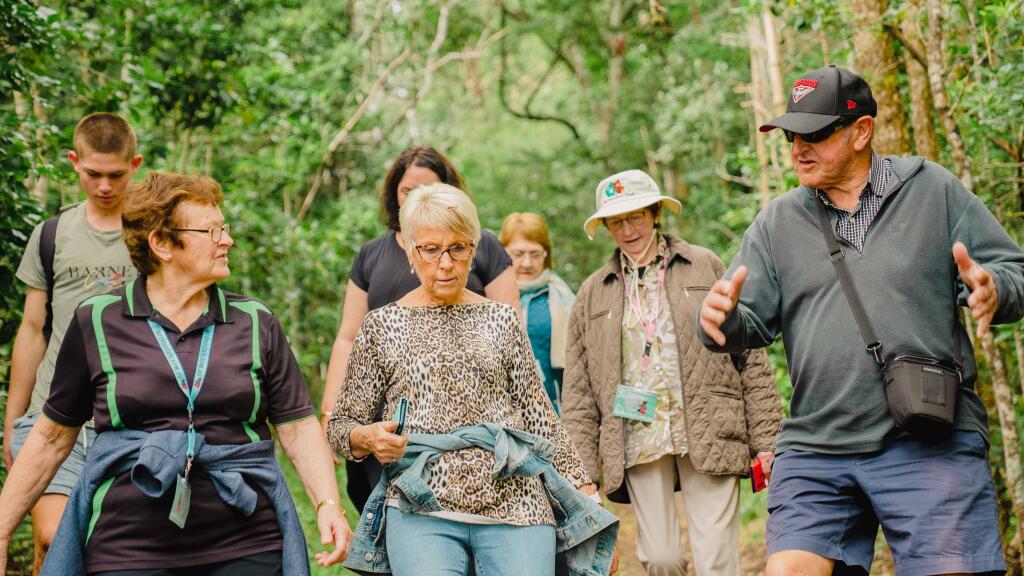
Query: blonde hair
(531,227)
(438,206)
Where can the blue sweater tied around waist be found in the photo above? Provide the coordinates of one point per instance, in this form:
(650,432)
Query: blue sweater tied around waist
(585,532)
(155,460)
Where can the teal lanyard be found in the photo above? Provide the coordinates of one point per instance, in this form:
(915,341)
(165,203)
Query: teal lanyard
(190,392)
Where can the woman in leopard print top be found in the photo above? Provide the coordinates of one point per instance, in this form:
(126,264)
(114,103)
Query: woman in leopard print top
(460,360)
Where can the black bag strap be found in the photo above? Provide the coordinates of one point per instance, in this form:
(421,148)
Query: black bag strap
(838,259)
(47,252)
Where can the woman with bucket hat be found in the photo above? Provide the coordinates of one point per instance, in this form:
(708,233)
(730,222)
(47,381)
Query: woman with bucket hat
(651,410)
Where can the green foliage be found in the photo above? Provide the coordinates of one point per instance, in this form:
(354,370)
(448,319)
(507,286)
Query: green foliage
(18,214)
(535,101)
(307,515)
(26,31)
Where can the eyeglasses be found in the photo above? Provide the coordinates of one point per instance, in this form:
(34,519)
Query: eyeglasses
(216,232)
(457,252)
(820,135)
(635,219)
(518,255)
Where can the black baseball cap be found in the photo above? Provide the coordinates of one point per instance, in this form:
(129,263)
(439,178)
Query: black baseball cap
(822,97)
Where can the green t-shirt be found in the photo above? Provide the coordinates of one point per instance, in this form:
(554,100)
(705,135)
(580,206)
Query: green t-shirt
(87,262)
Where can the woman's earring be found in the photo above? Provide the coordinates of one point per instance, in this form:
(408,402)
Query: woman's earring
(412,270)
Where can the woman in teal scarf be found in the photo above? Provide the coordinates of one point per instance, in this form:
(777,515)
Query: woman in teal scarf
(544,298)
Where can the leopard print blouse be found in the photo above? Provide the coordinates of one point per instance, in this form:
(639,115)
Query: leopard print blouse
(458,366)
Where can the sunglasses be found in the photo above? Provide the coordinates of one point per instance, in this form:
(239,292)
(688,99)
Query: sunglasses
(820,135)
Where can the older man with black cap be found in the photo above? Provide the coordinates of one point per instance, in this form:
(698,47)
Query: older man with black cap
(879,252)
(648,407)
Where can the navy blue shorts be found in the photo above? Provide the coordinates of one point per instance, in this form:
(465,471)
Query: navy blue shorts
(934,500)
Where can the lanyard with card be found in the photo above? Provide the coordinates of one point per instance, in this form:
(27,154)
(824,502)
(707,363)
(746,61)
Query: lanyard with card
(632,402)
(183,490)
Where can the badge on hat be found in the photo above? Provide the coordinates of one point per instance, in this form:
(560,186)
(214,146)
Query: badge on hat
(613,188)
(802,88)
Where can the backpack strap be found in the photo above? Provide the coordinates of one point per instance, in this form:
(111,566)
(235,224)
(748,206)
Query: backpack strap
(47,252)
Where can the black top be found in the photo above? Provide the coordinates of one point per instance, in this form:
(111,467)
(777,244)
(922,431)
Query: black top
(381,269)
(111,368)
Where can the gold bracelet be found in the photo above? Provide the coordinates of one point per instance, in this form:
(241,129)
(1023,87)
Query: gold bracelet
(332,502)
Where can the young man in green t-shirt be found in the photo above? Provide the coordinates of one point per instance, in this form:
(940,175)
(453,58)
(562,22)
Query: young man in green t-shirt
(89,258)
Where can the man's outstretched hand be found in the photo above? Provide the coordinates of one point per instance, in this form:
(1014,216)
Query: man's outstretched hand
(720,303)
(984,298)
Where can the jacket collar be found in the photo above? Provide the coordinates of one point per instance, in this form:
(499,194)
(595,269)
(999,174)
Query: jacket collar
(677,249)
(903,169)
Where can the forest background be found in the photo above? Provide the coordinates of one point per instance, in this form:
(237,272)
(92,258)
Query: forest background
(298,106)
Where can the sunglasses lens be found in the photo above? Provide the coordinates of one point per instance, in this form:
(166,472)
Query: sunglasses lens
(820,135)
(815,137)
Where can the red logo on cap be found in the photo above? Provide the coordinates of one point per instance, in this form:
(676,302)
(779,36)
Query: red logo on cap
(802,88)
(850,104)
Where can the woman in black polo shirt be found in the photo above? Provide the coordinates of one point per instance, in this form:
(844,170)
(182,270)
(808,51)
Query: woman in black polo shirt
(181,378)
(380,275)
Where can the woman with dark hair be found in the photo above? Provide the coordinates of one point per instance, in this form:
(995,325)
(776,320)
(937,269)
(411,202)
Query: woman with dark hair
(380,275)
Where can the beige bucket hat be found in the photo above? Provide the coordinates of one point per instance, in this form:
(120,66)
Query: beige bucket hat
(625,192)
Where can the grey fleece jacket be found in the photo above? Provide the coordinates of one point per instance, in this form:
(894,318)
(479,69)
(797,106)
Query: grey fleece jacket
(905,276)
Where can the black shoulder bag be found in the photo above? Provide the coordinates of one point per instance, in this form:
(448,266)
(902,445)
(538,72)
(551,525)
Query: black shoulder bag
(47,253)
(921,391)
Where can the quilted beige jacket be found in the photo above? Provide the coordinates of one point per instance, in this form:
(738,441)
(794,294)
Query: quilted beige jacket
(733,409)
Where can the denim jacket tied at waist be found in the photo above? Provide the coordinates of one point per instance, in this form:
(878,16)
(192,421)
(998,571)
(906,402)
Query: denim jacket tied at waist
(155,460)
(585,531)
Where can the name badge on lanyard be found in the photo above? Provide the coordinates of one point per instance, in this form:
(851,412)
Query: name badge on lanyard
(183,490)
(631,402)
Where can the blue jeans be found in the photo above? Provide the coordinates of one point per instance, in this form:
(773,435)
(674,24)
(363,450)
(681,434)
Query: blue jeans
(421,545)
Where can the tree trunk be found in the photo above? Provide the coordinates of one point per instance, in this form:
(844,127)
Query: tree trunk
(1018,346)
(997,463)
(39,142)
(1011,439)
(877,63)
(757,104)
(771,48)
(922,112)
(716,123)
(616,44)
(936,78)
(773,62)
(208,160)
(21,109)
(185,150)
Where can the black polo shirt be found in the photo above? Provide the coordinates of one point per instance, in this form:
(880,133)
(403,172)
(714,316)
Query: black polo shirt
(110,368)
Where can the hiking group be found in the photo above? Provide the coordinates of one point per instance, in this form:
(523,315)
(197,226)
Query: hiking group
(482,407)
